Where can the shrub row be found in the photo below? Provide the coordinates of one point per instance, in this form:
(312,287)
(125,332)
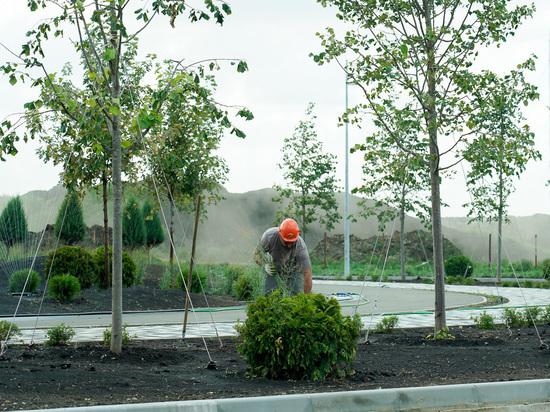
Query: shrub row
(72,268)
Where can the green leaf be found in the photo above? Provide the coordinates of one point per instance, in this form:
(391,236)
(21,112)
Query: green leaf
(114,110)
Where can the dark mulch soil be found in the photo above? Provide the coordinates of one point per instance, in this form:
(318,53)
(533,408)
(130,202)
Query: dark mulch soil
(155,371)
(147,296)
(152,371)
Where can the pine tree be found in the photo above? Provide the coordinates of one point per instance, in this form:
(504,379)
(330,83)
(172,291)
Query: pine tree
(13,224)
(154,234)
(133,226)
(69,225)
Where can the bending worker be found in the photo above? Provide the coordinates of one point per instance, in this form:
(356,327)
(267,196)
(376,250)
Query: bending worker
(285,260)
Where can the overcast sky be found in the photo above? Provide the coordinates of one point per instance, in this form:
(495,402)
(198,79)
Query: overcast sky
(275,38)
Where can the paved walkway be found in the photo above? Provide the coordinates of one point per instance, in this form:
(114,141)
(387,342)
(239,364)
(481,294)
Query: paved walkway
(413,303)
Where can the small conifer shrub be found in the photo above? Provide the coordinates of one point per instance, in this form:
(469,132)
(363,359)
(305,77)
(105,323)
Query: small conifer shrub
(18,281)
(64,287)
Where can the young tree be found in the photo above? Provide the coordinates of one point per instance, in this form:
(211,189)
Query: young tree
(103,33)
(502,150)
(133,225)
(183,163)
(154,232)
(396,182)
(13,224)
(412,60)
(310,178)
(69,225)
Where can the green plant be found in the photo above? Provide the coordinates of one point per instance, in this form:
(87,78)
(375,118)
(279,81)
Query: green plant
(505,284)
(167,279)
(13,224)
(8,330)
(469,281)
(230,274)
(523,265)
(528,284)
(532,315)
(126,337)
(59,335)
(300,337)
(484,320)
(141,260)
(129,268)
(69,225)
(545,315)
(452,280)
(133,225)
(545,267)
(387,324)
(427,280)
(248,286)
(154,232)
(511,317)
(72,260)
(459,265)
(64,287)
(375,277)
(199,280)
(18,279)
(441,334)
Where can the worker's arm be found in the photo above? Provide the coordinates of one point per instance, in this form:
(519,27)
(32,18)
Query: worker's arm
(307,280)
(259,257)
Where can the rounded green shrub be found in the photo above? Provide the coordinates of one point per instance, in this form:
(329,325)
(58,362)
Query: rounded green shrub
(300,337)
(197,279)
(459,265)
(18,279)
(129,267)
(64,287)
(72,260)
(59,335)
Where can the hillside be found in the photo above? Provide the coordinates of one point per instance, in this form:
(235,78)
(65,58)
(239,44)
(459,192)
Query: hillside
(234,225)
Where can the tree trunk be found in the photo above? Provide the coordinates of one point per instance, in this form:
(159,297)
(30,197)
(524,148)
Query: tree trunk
(171,234)
(439,312)
(116,135)
(325,251)
(191,264)
(106,280)
(402,228)
(500,217)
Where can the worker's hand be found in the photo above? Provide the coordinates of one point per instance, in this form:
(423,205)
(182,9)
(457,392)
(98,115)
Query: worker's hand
(270,269)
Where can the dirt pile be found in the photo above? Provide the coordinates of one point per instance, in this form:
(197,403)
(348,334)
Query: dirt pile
(418,247)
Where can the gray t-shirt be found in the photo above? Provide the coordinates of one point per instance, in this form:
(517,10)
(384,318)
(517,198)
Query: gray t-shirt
(286,260)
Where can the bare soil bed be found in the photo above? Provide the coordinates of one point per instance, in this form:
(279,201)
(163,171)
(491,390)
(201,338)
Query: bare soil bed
(154,371)
(80,374)
(147,296)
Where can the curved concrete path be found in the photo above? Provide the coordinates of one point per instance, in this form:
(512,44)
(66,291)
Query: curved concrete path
(413,303)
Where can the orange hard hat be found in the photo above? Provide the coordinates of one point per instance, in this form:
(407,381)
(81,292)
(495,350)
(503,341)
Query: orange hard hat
(289,230)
